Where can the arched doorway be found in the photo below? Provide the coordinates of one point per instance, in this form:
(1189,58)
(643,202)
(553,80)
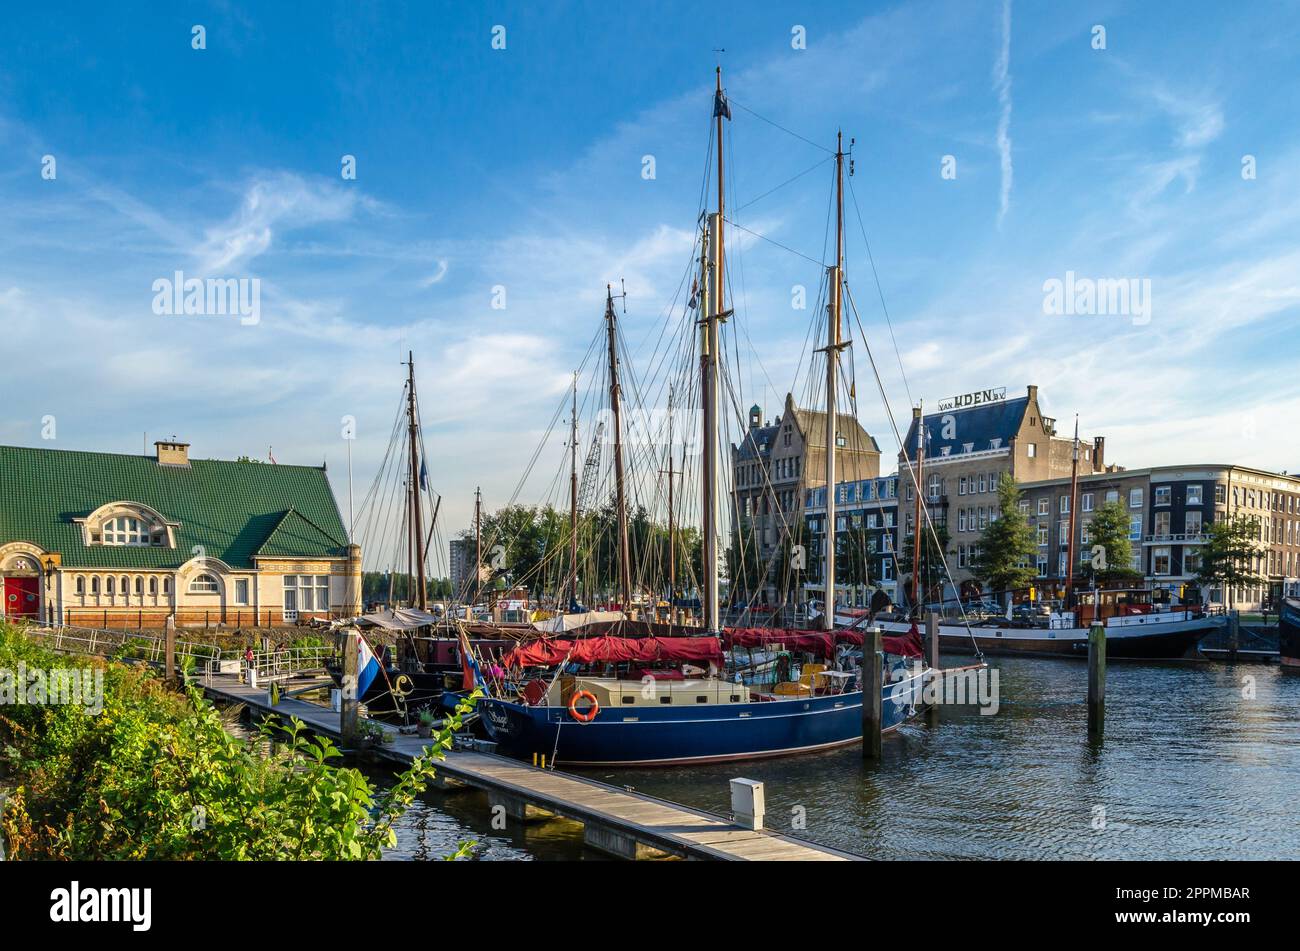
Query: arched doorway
(21,587)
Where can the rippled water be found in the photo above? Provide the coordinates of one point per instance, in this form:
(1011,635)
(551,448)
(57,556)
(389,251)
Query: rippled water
(1189,769)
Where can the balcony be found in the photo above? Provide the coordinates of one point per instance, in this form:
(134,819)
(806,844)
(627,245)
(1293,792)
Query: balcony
(1178,538)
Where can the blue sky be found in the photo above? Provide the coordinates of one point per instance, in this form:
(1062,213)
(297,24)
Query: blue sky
(522,168)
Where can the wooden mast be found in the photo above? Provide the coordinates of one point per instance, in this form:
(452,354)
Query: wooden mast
(420,593)
(620,498)
(714,306)
(672,533)
(918,514)
(478,544)
(573,497)
(835,277)
(1074,491)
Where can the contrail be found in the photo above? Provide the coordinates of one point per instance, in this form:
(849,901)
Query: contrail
(1002,83)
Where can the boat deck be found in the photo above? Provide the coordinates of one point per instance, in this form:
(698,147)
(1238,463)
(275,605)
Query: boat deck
(618,821)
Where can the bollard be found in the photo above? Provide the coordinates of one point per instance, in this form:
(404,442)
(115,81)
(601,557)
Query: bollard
(747,803)
(1096,680)
(873,673)
(348,709)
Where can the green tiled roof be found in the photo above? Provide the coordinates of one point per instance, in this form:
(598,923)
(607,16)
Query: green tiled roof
(235,510)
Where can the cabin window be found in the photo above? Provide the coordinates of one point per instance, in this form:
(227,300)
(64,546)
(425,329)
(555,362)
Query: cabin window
(735,698)
(667,699)
(701,699)
(628,698)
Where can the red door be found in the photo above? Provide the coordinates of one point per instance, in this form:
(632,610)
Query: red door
(22,597)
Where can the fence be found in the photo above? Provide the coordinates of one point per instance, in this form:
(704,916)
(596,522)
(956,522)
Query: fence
(207,658)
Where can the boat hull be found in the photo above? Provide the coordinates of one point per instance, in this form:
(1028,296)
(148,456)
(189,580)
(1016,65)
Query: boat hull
(1288,640)
(1141,640)
(653,736)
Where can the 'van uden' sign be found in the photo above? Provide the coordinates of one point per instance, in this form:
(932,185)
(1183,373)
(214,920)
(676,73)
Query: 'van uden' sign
(978,398)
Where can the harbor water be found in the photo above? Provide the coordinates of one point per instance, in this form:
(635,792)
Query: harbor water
(1199,761)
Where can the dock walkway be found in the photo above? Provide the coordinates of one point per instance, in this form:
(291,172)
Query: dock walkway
(616,821)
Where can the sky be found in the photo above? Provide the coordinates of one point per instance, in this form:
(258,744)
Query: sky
(500,157)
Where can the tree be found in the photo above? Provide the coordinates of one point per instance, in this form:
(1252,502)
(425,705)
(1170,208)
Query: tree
(1228,558)
(1007,546)
(1108,555)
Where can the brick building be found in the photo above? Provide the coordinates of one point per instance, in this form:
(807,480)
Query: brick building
(777,462)
(106,540)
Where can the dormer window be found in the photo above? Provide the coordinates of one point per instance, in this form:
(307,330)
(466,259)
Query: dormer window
(125,530)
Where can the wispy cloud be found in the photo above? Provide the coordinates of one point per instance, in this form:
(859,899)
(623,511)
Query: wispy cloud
(437,276)
(1002,83)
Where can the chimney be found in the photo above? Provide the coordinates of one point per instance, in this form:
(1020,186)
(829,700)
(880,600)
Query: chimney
(1099,454)
(172,453)
(1033,393)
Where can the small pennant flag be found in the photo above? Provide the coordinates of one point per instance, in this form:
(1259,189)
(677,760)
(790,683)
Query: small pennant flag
(720,106)
(424,476)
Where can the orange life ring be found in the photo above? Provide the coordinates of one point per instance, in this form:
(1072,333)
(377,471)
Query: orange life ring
(591,710)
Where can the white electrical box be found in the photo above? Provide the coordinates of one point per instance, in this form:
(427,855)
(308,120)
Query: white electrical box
(747,805)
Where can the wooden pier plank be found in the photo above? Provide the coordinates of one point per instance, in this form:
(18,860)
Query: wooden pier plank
(653,822)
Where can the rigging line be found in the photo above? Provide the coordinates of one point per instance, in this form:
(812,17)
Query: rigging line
(756,234)
(911,469)
(777,125)
(879,290)
(788,181)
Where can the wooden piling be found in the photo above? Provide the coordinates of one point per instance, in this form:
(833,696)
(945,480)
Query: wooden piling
(169,641)
(873,662)
(1234,633)
(1096,680)
(349,708)
(932,652)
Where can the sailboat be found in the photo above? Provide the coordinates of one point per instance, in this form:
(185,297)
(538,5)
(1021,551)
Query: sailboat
(425,662)
(676,702)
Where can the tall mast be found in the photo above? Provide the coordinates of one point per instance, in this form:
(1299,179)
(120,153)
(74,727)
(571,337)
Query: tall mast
(1074,491)
(420,595)
(672,533)
(833,347)
(573,496)
(714,307)
(478,544)
(917,515)
(620,498)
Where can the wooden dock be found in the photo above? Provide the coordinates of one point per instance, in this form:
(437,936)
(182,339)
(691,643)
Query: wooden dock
(616,821)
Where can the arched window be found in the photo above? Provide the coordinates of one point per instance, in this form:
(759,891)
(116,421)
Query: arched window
(81,584)
(139,585)
(94,585)
(108,586)
(126,586)
(153,585)
(167,586)
(204,584)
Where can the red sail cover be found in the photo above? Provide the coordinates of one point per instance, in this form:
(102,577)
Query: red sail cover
(615,650)
(821,643)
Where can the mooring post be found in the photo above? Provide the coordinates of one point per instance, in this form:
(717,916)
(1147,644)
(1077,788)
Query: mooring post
(348,708)
(169,639)
(932,649)
(1234,633)
(1096,680)
(873,663)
